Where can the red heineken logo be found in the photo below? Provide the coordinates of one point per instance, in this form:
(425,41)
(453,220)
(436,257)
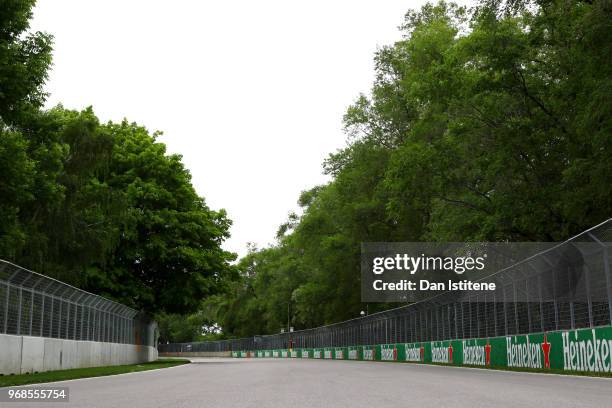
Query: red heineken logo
(546,351)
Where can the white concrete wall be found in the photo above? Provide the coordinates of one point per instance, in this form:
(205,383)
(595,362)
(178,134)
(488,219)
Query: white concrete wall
(10,354)
(25,354)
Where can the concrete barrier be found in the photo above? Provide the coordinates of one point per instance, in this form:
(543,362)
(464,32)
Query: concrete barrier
(198,354)
(27,354)
(32,354)
(10,354)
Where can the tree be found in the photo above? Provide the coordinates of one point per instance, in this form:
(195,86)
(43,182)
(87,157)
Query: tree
(169,254)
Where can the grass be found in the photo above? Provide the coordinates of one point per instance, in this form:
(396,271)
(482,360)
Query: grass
(61,375)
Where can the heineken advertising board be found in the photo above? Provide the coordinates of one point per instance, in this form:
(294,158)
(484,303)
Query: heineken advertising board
(582,350)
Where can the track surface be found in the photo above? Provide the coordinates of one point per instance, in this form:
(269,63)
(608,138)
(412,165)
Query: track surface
(293,383)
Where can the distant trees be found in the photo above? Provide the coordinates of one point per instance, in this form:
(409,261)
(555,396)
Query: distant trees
(100,206)
(489,124)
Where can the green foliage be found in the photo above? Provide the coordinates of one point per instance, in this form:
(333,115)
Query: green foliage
(24,62)
(169,255)
(182,328)
(102,206)
(493,124)
(99,206)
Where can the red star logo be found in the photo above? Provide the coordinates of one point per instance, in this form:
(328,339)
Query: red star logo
(422,353)
(546,351)
(488,353)
(450,353)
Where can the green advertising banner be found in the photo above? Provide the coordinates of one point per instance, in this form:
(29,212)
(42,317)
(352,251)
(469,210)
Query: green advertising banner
(388,352)
(340,353)
(368,353)
(354,353)
(580,350)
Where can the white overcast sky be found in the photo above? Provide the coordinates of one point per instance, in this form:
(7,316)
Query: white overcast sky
(251,93)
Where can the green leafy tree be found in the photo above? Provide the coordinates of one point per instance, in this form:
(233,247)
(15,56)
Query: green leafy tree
(169,254)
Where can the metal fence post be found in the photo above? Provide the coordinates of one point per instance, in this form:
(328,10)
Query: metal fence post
(607,273)
(31,311)
(6,307)
(19,311)
(588,293)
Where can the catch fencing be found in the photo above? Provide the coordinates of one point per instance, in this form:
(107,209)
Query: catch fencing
(32,304)
(563,288)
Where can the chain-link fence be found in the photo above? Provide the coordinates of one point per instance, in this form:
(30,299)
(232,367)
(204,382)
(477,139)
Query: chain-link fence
(566,287)
(36,305)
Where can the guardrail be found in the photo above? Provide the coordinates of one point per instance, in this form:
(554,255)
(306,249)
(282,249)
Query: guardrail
(569,304)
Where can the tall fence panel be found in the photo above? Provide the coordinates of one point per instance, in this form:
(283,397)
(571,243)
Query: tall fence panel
(32,304)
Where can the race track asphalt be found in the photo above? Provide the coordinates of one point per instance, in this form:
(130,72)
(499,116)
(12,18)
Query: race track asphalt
(298,383)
